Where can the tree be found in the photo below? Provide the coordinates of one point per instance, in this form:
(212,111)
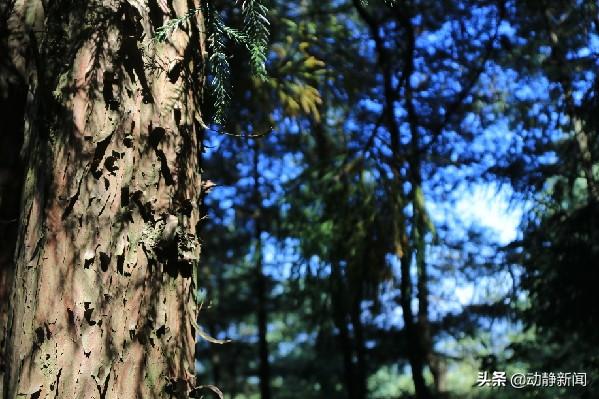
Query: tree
(12,100)
(103,300)
(382,140)
(557,170)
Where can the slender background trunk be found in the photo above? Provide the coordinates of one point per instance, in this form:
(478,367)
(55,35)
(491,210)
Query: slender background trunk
(261,288)
(361,383)
(340,316)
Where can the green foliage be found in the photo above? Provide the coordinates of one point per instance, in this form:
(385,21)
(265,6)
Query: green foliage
(256,32)
(164,31)
(253,36)
(297,72)
(218,62)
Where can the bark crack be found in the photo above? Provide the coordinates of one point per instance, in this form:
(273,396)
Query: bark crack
(55,385)
(73,199)
(102,389)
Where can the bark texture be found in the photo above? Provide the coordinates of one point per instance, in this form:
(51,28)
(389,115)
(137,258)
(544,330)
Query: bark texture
(102,302)
(11,177)
(12,100)
(10,186)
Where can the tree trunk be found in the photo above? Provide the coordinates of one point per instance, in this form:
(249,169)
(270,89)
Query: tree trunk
(340,318)
(584,141)
(102,302)
(11,178)
(12,101)
(261,289)
(361,383)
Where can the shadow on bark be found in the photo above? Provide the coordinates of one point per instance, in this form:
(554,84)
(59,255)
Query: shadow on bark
(94,276)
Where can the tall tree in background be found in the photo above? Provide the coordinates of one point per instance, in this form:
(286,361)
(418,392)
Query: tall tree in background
(243,207)
(421,102)
(558,169)
(561,262)
(103,300)
(380,138)
(417,121)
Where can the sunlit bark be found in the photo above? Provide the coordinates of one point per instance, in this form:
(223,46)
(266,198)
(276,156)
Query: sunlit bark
(102,303)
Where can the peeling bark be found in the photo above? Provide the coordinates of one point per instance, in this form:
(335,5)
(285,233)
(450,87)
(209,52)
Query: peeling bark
(102,302)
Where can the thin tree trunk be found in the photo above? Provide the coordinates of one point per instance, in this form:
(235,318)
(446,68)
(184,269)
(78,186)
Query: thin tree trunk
(102,300)
(340,318)
(261,290)
(338,291)
(415,355)
(419,227)
(403,252)
(233,369)
(262,332)
(360,350)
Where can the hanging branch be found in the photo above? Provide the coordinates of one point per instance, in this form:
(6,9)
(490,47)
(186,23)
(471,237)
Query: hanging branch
(253,35)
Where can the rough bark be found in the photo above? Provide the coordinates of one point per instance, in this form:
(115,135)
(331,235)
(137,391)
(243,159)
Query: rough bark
(102,302)
(12,102)
(11,178)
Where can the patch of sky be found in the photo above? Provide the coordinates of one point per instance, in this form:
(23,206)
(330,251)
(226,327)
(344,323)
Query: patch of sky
(478,206)
(505,28)
(594,43)
(490,206)
(371,105)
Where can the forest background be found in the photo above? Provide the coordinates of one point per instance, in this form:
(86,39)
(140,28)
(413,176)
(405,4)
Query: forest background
(333,280)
